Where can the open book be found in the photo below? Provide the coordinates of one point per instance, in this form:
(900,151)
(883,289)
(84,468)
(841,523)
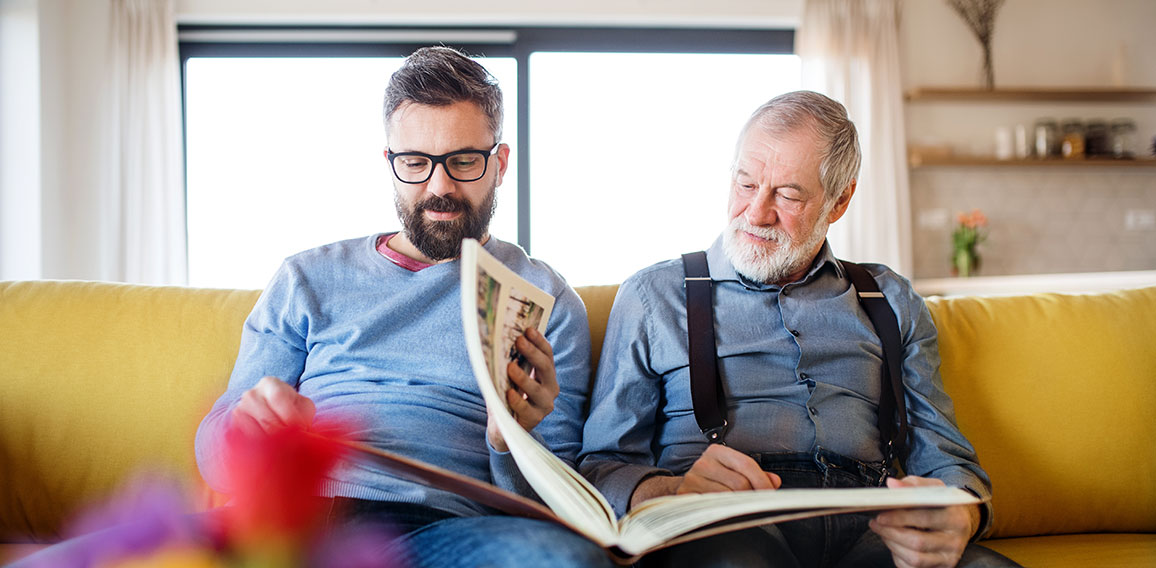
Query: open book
(497,306)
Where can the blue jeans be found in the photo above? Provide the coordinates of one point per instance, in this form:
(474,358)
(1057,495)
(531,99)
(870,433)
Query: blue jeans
(831,540)
(433,538)
(404,536)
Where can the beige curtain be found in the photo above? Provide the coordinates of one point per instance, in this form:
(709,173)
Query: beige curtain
(143,234)
(850,52)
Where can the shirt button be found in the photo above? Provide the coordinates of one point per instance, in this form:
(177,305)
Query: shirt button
(785,291)
(795,332)
(814,411)
(804,376)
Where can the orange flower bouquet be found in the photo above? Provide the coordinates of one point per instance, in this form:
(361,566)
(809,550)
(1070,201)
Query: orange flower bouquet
(969,232)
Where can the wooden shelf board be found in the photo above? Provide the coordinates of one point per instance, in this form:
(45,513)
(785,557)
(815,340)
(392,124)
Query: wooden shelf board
(1030,94)
(915,162)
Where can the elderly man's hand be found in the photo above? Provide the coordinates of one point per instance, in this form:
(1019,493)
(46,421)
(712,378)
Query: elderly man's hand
(926,537)
(720,468)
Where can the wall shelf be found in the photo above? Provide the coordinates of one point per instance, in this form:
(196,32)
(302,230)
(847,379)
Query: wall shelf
(1077,283)
(1031,94)
(915,161)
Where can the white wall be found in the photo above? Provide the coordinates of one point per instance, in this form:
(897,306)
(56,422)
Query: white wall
(19,140)
(1036,43)
(733,13)
(51,64)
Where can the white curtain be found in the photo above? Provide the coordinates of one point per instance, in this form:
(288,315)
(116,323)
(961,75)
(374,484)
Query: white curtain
(143,238)
(850,52)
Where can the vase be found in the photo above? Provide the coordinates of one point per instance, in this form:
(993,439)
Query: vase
(965,262)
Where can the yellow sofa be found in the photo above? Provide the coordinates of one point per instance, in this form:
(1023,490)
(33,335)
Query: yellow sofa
(101,381)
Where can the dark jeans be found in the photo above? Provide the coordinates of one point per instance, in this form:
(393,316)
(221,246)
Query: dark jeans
(831,540)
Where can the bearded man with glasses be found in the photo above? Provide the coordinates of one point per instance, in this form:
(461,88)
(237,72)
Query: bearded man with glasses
(371,329)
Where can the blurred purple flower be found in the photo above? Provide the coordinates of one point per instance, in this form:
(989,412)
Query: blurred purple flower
(149,514)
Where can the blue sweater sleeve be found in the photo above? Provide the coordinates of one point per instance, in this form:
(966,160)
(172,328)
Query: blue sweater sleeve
(272,344)
(617,451)
(937,448)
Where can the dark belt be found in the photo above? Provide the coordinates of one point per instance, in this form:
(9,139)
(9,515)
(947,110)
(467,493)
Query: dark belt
(821,460)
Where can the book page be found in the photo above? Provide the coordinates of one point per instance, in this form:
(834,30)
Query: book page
(496,302)
(505,312)
(657,522)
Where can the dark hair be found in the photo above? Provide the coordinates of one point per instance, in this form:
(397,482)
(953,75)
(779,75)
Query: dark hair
(807,109)
(441,76)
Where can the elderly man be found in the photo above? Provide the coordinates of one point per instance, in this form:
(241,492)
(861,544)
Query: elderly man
(799,370)
(370,329)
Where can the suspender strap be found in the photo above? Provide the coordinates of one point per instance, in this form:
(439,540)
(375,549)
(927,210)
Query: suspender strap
(705,385)
(891,400)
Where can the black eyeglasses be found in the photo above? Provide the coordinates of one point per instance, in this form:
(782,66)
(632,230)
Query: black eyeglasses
(418,167)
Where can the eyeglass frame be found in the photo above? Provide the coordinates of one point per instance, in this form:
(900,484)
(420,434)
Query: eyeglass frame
(441,159)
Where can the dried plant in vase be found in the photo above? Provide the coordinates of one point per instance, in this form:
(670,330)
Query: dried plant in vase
(980,17)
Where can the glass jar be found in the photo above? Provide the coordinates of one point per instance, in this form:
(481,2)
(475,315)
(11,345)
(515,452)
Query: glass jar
(1047,138)
(1072,139)
(1123,138)
(1096,141)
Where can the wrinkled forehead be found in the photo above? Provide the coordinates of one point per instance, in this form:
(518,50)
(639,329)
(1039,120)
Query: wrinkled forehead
(761,151)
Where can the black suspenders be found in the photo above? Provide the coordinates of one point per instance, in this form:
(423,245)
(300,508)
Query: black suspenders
(891,396)
(710,405)
(706,385)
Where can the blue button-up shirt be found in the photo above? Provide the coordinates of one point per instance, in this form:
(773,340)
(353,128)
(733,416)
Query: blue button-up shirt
(801,369)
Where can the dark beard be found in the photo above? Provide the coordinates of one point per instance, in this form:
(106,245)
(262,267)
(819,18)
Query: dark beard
(440,240)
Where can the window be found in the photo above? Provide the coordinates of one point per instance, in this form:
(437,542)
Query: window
(635,168)
(631,143)
(285,154)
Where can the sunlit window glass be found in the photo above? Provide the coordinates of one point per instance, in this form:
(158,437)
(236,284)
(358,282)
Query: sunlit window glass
(285,154)
(631,153)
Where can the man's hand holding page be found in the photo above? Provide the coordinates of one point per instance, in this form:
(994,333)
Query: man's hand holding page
(534,393)
(718,469)
(272,405)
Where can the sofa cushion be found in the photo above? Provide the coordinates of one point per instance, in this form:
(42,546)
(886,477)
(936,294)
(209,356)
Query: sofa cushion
(1099,550)
(598,300)
(1058,395)
(100,382)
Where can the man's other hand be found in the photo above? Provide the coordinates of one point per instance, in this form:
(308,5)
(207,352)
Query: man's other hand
(271,405)
(718,469)
(926,537)
(531,396)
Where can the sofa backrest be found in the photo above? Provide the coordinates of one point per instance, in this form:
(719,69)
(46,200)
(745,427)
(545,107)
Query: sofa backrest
(1058,395)
(101,382)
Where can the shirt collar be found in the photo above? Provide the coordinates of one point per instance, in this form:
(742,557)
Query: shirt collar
(722,270)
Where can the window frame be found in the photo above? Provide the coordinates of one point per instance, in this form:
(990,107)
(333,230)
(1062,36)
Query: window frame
(517,42)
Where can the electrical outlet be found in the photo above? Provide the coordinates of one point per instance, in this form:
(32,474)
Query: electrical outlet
(1140,220)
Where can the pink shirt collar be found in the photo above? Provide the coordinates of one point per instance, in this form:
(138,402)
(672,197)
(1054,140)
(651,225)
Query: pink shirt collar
(396,257)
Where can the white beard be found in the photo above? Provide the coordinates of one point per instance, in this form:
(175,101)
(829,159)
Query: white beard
(775,261)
